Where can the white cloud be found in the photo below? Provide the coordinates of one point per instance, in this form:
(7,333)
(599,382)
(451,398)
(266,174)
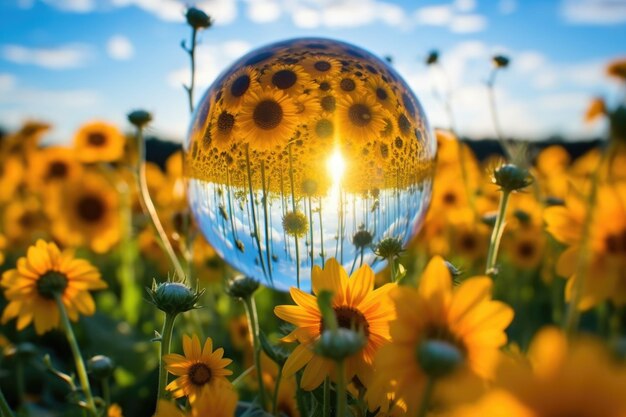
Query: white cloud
(434,15)
(594,12)
(222,11)
(468,23)
(449,16)
(528,61)
(7,82)
(306,17)
(62,57)
(77,6)
(120,48)
(507,6)
(465,5)
(263,11)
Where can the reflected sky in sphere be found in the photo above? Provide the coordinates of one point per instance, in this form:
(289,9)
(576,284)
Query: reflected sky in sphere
(306,150)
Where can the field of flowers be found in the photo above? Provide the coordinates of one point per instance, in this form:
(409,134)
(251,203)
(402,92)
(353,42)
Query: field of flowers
(508,302)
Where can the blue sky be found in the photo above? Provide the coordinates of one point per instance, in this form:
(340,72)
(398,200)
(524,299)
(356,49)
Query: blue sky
(71,61)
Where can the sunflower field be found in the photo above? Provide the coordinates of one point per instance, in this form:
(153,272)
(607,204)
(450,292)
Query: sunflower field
(315,249)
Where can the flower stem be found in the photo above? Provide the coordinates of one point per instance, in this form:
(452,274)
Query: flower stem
(494,113)
(496,235)
(279,378)
(166,339)
(148,205)
(106,392)
(341,389)
(192,57)
(326,409)
(253,323)
(5,410)
(78,359)
(426,397)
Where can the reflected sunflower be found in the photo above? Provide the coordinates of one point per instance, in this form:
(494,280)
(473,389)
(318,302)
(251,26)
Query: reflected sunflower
(238,86)
(307,106)
(223,129)
(464,318)
(53,165)
(99,142)
(360,118)
(86,212)
(321,65)
(200,367)
(267,119)
(383,93)
(355,303)
(44,273)
(290,79)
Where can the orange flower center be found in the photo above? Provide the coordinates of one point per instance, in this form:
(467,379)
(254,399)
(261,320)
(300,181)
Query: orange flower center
(268,114)
(526,250)
(200,374)
(96,139)
(57,169)
(616,244)
(90,208)
(360,114)
(51,284)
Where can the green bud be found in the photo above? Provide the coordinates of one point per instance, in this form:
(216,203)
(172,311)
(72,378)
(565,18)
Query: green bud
(295,223)
(173,297)
(511,178)
(241,287)
(438,358)
(501,61)
(389,248)
(139,118)
(432,58)
(100,366)
(197,19)
(362,238)
(340,343)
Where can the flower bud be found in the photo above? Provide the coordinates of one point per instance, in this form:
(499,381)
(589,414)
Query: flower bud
(500,61)
(438,358)
(139,118)
(340,343)
(295,223)
(241,287)
(100,366)
(173,297)
(362,238)
(389,248)
(432,58)
(197,19)
(511,178)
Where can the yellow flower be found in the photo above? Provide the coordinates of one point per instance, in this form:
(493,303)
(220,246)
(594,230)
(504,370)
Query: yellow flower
(223,129)
(199,367)
(321,66)
(85,212)
(286,400)
(23,220)
(466,318)
(42,273)
(617,69)
(607,250)
(11,175)
(355,303)
(267,119)
(238,86)
(53,165)
(218,401)
(114,410)
(596,108)
(290,79)
(99,142)
(565,380)
(239,332)
(359,118)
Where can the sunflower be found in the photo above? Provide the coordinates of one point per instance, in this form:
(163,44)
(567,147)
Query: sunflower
(267,119)
(603,278)
(384,94)
(99,142)
(239,333)
(321,65)
(238,86)
(286,404)
(223,129)
(85,212)
(44,273)
(307,106)
(565,379)
(356,304)
(200,367)
(359,118)
(290,79)
(464,318)
(23,220)
(11,175)
(217,401)
(525,247)
(53,165)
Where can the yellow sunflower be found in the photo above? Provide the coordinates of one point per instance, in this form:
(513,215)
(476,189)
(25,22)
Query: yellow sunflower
(464,318)
(525,247)
(24,220)
(53,165)
(384,94)
(267,119)
(359,118)
(11,175)
(86,212)
(577,379)
(321,65)
(238,86)
(43,273)
(223,129)
(290,79)
(218,401)
(99,142)
(356,304)
(199,367)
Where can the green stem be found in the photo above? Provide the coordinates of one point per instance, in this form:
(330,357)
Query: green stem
(253,323)
(496,234)
(192,56)
(326,410)
(5,410)
(106,392)
(21,390)
(494,113)
(241,376)
(279,378)
(426,396)
(78,359)
(166,339)
(341,389)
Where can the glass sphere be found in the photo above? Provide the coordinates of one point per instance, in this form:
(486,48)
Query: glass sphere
(306,150)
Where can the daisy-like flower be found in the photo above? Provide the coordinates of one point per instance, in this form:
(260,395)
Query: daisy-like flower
(321,65)
(200,367)
(290,79)
(43,274)
(52,165)
(219,401)
(99,142)
(464,320)
(359,118)
(356,305)
(238,85)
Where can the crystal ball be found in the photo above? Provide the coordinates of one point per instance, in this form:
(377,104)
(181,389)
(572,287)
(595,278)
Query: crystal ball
(306,150)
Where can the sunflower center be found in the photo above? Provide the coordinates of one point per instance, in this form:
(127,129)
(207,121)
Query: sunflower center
(360,114)
(449,198)
(347,84)
(90,208)
(284,79)
(350,318)
(328,103)
(240,86)
(57,169)
(526,250)
(200,374)
(268,114)
(225,122)
(468,242)
(26,220)
(404,124)
(381,93)
(616,244)
(51,284)
(322,66)
(96,139)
